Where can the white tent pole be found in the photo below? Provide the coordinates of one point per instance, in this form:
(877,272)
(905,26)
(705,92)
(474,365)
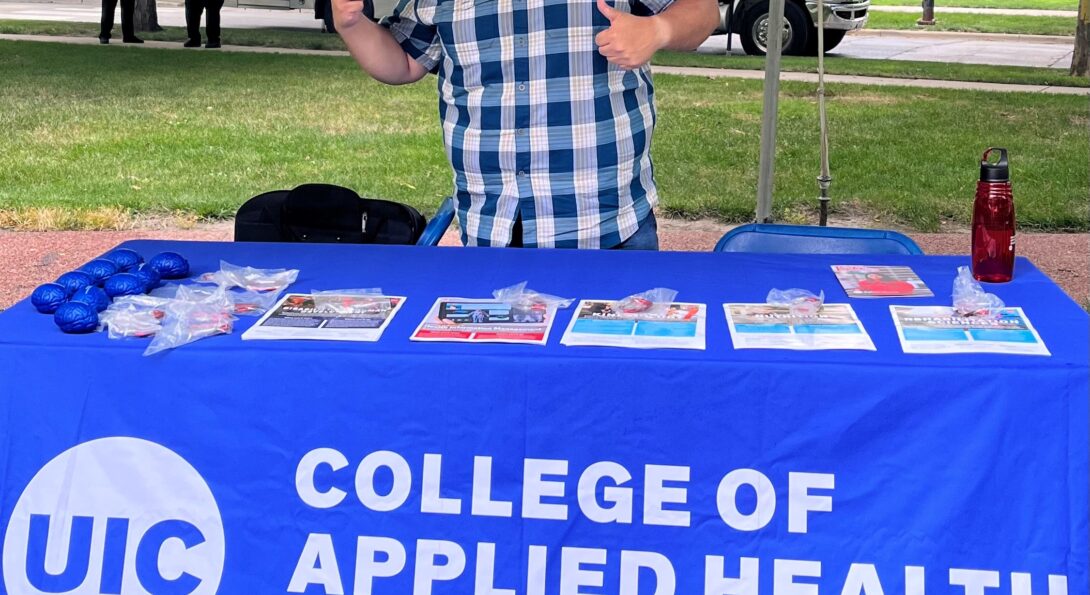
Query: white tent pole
(770,112)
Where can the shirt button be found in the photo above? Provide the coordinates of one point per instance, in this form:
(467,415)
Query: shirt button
(521,173)
(522,86)
(520,131)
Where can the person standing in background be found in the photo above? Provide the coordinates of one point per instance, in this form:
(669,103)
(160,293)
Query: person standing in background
(127,34)
(193,10)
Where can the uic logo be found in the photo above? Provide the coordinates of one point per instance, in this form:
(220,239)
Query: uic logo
(115,516)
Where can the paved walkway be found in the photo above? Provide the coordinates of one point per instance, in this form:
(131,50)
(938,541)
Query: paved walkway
(1015,12)
(1041,51)
(677,70)
(1012,50)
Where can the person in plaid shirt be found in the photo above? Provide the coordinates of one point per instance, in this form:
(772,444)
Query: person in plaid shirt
(547,107)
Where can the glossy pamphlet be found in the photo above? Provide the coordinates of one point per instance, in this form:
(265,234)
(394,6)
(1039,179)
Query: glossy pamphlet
(671,326)
(770,326)
(486,321)
(327,316)
(940,329)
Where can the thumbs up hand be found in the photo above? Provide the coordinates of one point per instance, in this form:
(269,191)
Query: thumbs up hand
(630,41)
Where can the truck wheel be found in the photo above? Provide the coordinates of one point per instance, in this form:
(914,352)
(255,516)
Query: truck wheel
(832,39)
(754,30)
(327,16)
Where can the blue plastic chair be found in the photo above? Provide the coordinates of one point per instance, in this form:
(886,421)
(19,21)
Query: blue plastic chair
(434,230)
(809,239)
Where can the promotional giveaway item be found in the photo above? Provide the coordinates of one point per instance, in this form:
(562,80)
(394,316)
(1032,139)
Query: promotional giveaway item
(191,316)
(772,326)
(249,278)
(47,298)
(648,320)
(942,329)
(76,317)
(74,281)
(169,265)
(100,270)
(863,281)
(515,315)
(341,315)
(800,302)
(125,259)
(993,221)
(970,299)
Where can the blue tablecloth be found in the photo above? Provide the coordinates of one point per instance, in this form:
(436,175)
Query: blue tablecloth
(401,467)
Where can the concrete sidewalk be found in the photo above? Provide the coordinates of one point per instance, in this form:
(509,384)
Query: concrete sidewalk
(675,70)
(1009,50)
(1015,12)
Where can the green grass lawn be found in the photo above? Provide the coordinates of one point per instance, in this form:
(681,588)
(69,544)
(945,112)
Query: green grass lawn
(1031,4)
(976,23)
(163,130)
(313,39)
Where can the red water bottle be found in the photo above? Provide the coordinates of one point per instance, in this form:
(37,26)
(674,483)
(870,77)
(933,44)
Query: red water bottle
(993,221)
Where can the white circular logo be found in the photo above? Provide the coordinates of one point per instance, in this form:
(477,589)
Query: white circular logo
(116,515)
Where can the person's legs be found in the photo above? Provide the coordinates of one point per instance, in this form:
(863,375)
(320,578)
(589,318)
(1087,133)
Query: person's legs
(128,35)
(107,24)
(212,22)
(193,9)
(645,238)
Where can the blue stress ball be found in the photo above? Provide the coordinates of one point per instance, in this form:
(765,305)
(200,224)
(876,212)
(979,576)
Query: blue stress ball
(149,275)
(93,296)
(75,281)
(170,265)
(125,259)
(124,284)
(47,298)
(75,317)
(100,270)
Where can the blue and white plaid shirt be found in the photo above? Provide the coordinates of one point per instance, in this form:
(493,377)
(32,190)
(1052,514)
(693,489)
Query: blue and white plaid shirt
(536,122)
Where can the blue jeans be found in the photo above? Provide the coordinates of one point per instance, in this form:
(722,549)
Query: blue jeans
(645,238)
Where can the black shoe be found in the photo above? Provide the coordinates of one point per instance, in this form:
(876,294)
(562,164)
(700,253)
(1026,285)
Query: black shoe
(192,43)
(212,45)
(104,40)
(132,39)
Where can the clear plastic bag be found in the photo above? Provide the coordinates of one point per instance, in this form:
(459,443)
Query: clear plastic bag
(125,321)
(800,302)
(252,303)
(352,301)
(518,295)
(970,299)
(249,278)
(653,301)
(191,316)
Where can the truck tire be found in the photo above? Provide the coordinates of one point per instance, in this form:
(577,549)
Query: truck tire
(327,14)
(832,39)
(755,26)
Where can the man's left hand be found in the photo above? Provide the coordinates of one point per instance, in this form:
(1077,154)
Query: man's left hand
(630,40)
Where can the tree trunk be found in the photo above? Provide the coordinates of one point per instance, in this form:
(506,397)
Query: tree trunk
(145,18)
(1080,60)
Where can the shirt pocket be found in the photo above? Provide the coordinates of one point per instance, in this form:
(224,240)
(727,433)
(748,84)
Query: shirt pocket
(470,33)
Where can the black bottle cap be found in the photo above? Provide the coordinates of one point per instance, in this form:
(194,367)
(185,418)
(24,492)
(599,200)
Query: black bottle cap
(999,171)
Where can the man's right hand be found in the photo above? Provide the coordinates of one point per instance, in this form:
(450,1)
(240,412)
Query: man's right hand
(347,14)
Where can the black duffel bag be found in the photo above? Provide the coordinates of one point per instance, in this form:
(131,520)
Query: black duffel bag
(323,213)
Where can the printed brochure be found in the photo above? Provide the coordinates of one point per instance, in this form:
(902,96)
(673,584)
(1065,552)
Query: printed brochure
(940,329)
(768,326)
(601,322)
(486,321)
(860,281)
(330,317)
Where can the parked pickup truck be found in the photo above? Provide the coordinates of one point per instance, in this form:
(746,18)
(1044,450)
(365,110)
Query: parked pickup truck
(747,18)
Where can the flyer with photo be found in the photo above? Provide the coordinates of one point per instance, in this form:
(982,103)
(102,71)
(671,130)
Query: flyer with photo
(486,321)
(769,326)
(863,281)
(327,316)
(602,323)
(940,329)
